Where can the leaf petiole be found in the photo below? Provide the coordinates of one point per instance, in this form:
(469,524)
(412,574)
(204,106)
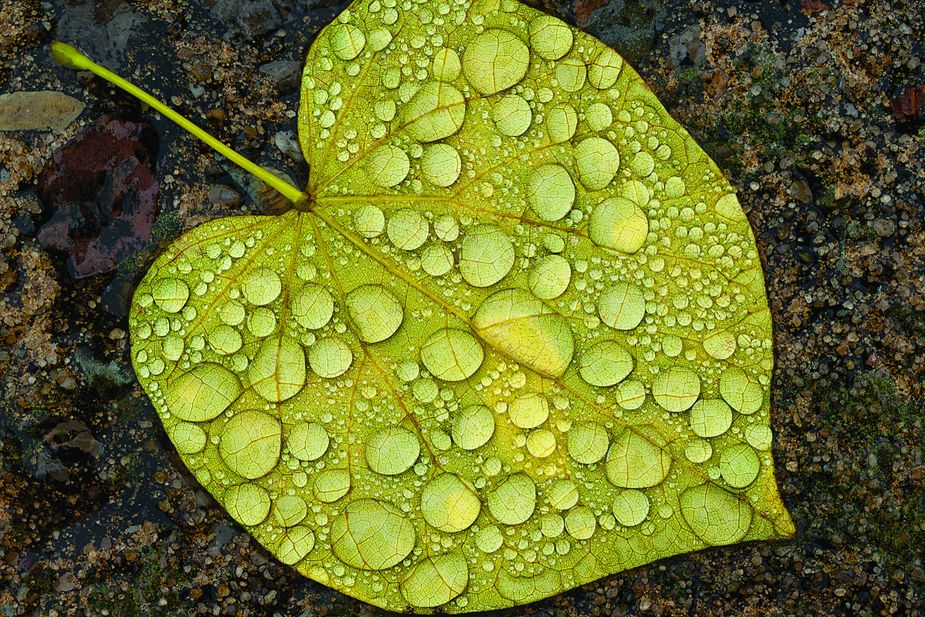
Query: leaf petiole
(67,55)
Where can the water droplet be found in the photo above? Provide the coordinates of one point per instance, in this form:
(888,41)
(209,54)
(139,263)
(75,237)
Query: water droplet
(563,494)
(250,443)
(331,485)
(676,389)
(313,307)
(541,443)
(710,417)
(473,426)
(599,116)
(436,111)
(172,349)
(739,465)
(374,312)
(512,115)
(550,277)
(434,581)
(369,221)
(289,510)
(441,165)
(715,515)
(347,41)
(188,438)
(261,322)
(277,372)
(446,65)
(452,355)
(446,228)
(486,255)
(387,166)
(170,294)
(225,340)
(514,500)
(407,229)
(371,535)
(758,437)
(619,224)
(588,442)
(605,363)
(261,286)
(550,192)
(296,543)
(721,345)
(580,522)
(392,450)
(638,458)
(571,74)
(642,164)
(528,411)
(437,260)
(449,504)
(330,357)
(495,61)
(550,38)
(520,326)
(742,394)
(561,123)
(597,161)
(622,306)
(203,393)
(489,539)
(698,451)
(248,504)
(232,314)
(605,68)
(630,507)
(308,441)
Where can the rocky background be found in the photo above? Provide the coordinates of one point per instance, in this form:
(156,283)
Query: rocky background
(814,109)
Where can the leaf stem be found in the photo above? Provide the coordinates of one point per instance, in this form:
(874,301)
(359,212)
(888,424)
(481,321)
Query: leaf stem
(68,56)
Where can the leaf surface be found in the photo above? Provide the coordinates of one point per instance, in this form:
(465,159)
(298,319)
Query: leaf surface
(520,340)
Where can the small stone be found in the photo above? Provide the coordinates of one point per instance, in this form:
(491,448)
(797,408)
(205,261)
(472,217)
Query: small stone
(225,196)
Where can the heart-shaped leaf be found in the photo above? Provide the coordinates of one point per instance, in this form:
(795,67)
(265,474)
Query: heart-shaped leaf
(516,339)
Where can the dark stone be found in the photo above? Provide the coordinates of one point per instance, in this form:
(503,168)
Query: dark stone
(102,196)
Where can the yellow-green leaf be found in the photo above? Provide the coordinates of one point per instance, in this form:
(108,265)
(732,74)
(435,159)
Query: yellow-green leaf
(516,339)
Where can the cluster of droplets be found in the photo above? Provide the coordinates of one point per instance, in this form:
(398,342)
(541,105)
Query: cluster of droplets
(498,358)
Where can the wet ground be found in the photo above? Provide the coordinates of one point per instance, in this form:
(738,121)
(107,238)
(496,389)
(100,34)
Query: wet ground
(814,110)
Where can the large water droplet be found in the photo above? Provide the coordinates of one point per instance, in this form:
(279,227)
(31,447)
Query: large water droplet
(486,255)
(495,61)
(514,500)
(451,354)
(250,443)
(371,535)
(638,458)
(374,312)
(203,393)
(449,504)
(605,363)
(277,372)
(313,307)
(473,426)
(392,450)
(330,357)
(520,326)
(436,111)
(550,192)
(550,277)
(622,306)
(619,224)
